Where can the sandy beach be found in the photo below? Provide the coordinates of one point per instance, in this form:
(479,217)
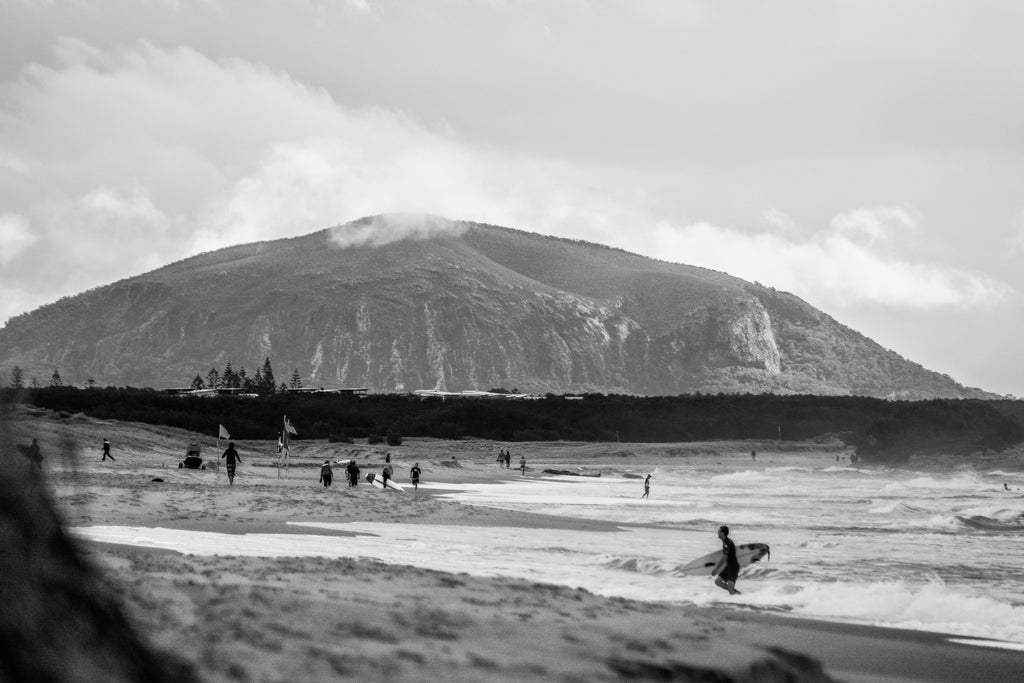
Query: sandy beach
(287,619)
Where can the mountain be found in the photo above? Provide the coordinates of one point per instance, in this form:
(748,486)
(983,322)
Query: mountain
(423,303)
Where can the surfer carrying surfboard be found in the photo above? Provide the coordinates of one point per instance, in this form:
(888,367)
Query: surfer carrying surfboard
(728,568)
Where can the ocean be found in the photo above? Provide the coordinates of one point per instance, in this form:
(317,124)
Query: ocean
(934,550)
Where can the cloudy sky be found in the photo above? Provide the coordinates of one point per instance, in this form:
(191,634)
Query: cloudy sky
(867,155)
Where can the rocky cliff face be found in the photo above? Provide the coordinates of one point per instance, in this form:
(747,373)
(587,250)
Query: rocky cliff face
(477,307)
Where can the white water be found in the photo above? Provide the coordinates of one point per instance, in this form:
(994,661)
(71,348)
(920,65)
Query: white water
(935,551)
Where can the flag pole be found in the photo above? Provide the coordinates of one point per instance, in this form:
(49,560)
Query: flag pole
(286,440)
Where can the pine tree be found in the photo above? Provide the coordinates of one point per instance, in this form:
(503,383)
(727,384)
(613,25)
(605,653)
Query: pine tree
(55,380)
(17,378)
(90,383)
(229,378)
(213,378)
(268,385)
(198,383)
(296,382)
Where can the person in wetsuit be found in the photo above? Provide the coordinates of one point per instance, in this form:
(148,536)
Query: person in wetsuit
(231,456)
(728,568)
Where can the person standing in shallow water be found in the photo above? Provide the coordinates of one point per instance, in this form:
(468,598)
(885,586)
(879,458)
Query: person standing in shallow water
(728,568)
(522,465)
(647,486)
(231,456)
(106,451)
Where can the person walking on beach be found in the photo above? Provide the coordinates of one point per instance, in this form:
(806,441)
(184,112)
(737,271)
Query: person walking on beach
(326,473)
(414,474)
(647,486)
(728,568)
(508,459)
(33,454)
(753,455)
(387,472)
(522,465)
(106,451)
(353,472)
(231,456)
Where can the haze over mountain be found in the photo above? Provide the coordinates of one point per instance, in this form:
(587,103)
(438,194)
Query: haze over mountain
(400,303)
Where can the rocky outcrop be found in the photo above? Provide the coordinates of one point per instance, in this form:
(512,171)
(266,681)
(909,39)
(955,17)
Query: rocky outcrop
(475,308)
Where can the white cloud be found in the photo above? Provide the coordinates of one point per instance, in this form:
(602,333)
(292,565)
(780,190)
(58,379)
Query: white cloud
(840,266)
(876,225)
(384,229)
(16,237)
(135,156)
(780,222)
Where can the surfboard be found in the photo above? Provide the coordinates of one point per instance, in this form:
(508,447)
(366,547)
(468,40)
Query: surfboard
(377,481)
(746,553)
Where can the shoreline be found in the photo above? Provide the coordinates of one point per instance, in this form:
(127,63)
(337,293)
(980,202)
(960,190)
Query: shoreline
(322,619)
(415,607)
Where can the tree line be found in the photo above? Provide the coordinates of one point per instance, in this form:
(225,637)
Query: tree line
(881,430)
(261,382)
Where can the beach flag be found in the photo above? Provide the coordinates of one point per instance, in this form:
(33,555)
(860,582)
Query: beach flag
(288,429)
(223,434)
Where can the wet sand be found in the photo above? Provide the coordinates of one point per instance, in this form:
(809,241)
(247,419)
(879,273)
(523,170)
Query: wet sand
(288,619)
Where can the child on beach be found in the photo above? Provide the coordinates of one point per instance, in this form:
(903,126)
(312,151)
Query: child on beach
(728,568)
(522,465)
(414,474)
(231,456)
(326,474)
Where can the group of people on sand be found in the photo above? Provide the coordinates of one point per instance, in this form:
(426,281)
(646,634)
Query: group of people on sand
(352,473)
(505,456)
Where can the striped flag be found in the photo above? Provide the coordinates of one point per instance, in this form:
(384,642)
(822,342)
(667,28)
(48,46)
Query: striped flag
(223,433)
